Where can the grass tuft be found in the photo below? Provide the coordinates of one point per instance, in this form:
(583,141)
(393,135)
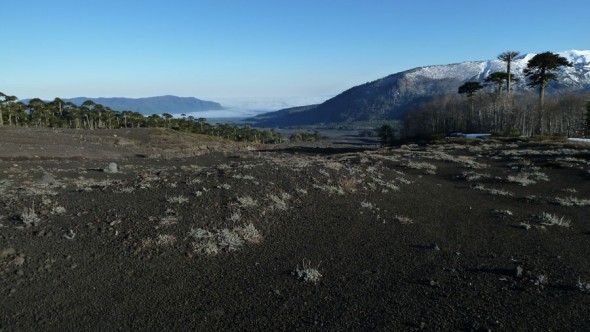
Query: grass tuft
(584,287)
(247,201)
(307,273)
(28,216)
(553,220)
(180,199)
(572,201)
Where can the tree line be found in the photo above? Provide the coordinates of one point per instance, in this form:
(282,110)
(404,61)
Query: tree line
(90,115)
(501,112)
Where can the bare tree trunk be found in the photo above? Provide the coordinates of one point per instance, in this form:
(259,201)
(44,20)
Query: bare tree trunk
(508,78)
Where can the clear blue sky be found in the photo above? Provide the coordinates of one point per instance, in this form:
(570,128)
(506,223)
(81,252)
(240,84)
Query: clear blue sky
(260,48)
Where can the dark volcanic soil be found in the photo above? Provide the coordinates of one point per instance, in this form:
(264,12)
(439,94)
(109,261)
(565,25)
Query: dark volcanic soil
(196,235)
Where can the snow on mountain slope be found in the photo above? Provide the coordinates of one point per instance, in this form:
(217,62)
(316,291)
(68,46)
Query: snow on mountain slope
(576,76)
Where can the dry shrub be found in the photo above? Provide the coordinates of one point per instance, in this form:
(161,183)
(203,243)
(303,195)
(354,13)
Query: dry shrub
(553,220)
(307,273)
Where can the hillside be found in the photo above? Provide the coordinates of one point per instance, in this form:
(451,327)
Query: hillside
(390,97)
(153,105)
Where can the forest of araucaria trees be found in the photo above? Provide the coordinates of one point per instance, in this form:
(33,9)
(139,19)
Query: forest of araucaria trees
(502,112)
(90,115)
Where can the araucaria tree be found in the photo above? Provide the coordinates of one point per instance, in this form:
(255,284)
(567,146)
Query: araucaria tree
(508,57)
(499,78)
(469,89)
(2,100)
(542,68)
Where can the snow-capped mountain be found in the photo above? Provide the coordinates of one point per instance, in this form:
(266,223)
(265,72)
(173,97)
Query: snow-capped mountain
(576,76)
(390,97)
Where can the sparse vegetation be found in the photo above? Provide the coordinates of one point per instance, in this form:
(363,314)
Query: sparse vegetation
(165,240)
(279,203)
(525,179)
(373,220)
(249,233)
(549,219)
(429,168)
(583,286)
(247,201)
(28,216)
(503,212)
(572,201)
(307,273)
(473,176)
(180,199)
(403,220)
(493,191)
(223,240)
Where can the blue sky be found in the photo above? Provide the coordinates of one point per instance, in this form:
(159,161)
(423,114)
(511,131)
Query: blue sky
(252,49)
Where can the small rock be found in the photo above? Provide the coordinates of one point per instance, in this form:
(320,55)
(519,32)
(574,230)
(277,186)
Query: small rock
(518,271)
(7,252)
(111,168)
(18,260)
(48,179)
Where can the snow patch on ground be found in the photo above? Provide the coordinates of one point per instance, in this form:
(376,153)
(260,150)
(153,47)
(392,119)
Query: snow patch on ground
(471,135)
(586,140)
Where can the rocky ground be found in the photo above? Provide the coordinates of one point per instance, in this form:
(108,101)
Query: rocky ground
(156,230)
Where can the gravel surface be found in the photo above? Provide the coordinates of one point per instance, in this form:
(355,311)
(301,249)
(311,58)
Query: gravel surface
(157,230)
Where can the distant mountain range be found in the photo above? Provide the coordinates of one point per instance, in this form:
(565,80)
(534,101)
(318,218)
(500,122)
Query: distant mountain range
(390,97)
(153,105)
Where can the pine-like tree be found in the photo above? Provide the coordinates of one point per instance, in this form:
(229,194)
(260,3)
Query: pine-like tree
(2,100)
(499,78)
(508,57)
(542,68)
(469,89)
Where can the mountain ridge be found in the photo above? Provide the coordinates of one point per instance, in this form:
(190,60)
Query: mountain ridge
(152,105)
